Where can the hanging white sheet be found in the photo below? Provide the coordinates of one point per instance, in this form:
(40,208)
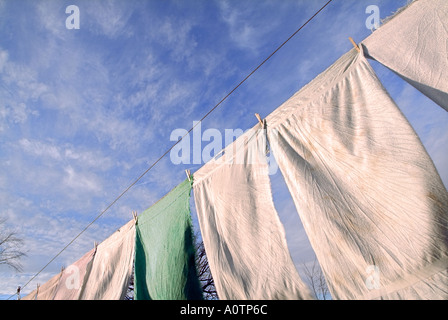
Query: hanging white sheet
(370,199)
(112,266)
(45,291)
(243,236)
(414,44)
(73,277)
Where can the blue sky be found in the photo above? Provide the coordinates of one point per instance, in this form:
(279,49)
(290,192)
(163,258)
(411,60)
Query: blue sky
(84,112)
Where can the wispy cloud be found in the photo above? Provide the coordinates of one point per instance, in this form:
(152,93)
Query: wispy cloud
(248,26)
(37,148)
(3,59)
(66,153)
(108,18)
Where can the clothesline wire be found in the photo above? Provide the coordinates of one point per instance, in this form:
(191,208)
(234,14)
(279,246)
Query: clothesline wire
(169,149)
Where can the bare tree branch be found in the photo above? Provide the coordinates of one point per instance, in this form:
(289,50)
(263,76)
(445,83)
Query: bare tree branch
(204,273)
(316,280)
(10,247)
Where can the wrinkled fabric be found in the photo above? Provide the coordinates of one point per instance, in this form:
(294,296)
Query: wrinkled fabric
(46,291)
(73,277)
(164,250)
(242,233)
(112,266)
(414,44)
(370,199)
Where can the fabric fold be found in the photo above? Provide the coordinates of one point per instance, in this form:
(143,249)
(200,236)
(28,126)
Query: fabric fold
(67,284)
(73,277)
(368,194)
(46,291)
(112,266)
(164,250)
(242,233)
(414,44)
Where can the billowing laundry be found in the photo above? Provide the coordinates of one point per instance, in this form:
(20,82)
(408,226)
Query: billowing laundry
(414,44)
(112,266)
(74,276)
(164,251)
(370,199)
(243,236)
(67,284)
(45,291)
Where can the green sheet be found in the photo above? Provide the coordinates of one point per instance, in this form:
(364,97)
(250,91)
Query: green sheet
(164,252)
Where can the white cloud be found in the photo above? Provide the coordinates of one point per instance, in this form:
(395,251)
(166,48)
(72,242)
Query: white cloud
(16,113)
(40,149)
(18,92)
(81,182)
(3,59)
(243,31)
(88,159)
(52,17)
(176,35)
(66,153)
(60,178)
(108,17)
(20,81)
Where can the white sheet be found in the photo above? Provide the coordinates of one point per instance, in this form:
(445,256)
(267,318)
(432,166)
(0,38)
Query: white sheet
(73,277)
(243,236)
(414,44)
(370,199)
(46,291)
(112,266)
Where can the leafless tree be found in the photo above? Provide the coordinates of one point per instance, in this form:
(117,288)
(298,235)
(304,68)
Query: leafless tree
(130,293)
(10,247)
(204,274)
(316,280)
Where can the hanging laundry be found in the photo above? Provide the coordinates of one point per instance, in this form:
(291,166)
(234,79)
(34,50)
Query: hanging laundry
(112,266)
(73,278)
(414,44)
(46,291)
(164,250)
(370,199)
(243,236)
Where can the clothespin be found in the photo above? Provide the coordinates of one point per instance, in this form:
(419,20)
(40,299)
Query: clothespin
(134,214)
(187,172)
(259,119)
(354,44)
(37,291)
(262,122)
(95,245)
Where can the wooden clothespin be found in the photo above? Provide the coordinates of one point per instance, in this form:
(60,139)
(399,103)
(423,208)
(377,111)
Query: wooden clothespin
(354,44)
(95,245)
(134,214)
(37,291)
(187,172)
(261,121)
